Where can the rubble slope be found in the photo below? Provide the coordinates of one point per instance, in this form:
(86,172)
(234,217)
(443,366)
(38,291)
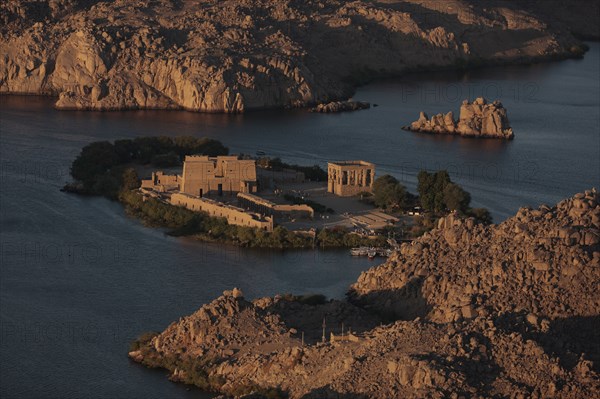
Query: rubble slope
(508,310)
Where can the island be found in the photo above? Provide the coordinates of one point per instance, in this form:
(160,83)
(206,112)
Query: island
(340,106)
(477,119)
(466,310)
(194,187)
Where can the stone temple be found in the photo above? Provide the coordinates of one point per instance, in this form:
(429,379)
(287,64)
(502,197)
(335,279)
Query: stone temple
(349,178)
(204,175)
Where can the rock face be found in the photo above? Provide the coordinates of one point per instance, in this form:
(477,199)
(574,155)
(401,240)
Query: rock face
(508,310)
(543,261)
(229,57)
(477,119)
(340,106)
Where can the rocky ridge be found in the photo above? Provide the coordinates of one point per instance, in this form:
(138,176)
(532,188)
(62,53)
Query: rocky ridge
(508,310)
(237,55)
(477,119)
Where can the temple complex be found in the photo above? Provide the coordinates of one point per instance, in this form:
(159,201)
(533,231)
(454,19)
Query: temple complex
(203,175)
(226,186)
(349,178)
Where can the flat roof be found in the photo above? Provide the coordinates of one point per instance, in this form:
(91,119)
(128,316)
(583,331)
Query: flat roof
(351,163)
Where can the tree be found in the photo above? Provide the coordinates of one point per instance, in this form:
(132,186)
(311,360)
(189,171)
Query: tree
(441,180)
(425,189)
(125,150)
(130,180)
(455,198)
(95,159)
(389,193)
(481,215)
(186,145)
(431,189)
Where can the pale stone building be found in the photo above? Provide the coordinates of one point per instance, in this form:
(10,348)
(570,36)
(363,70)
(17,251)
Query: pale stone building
(203,175)
(161,182)
(234,215)
(349,178)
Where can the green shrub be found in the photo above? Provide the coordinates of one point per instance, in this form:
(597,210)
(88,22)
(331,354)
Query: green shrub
(320,208)
(389,193)
(142,341)
(100,160)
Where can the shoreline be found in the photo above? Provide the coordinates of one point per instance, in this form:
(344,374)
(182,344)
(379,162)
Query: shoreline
(204,237)
(269,345)
(480,64)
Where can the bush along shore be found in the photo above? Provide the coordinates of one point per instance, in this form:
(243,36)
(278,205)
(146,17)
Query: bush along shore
(108,169)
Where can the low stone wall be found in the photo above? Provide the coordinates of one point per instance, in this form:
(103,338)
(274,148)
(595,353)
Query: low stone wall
(234,215)
(273,209)
(350,337)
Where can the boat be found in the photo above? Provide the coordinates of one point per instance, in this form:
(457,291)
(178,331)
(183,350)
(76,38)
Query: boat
(361,251)
(260,153)
(384,252)
(372,253)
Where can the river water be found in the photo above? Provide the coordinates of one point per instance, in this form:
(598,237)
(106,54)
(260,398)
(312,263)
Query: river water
(79,279)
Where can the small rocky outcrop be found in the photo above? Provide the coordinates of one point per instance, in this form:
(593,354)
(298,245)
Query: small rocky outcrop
(248,54)
(477,119)
(340,106)
(508,310)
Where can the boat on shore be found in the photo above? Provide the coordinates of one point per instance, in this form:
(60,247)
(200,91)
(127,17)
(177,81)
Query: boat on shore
(371,252)
(361,251)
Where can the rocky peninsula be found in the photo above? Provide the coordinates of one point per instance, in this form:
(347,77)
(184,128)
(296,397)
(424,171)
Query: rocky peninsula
(233,56)
(467,310)
(477,119)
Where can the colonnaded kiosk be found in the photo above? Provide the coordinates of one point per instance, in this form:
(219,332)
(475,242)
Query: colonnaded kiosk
(349,178)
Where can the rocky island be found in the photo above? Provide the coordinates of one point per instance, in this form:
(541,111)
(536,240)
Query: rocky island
(340,106)
(233,56)
(477,119)
(467,310)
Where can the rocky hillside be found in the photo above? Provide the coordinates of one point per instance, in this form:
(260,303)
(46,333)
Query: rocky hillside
(508,310)
(230,56)
(477,119)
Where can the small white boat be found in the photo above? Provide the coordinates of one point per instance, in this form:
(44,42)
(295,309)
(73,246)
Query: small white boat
(372,253)
(361,251)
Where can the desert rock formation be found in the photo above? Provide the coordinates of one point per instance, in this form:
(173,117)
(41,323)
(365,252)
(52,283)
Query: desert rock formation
(477,119)
(237,55)
(508,310)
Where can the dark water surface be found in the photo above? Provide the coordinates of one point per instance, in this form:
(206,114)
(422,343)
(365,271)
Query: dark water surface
(79,280)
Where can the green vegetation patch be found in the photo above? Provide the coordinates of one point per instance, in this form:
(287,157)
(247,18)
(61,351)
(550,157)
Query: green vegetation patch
(312,173)
(100,166)
(319,208)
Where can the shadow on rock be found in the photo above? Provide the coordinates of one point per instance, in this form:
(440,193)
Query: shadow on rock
(406,303)
(571,339)
(309,318)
